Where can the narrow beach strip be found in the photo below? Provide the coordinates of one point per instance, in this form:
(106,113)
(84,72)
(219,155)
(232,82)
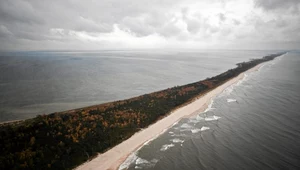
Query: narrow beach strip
(113,158)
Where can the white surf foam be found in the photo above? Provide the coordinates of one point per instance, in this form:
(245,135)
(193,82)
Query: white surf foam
(175,123)
(143,163)
(245,78)
(176,140)
(204,128)
(195,130)
(228,90)
(130,159)
(199,118)
(231,100)
(211,118)
(166,147)
(156,136)
(261,67)
(192,120)
(196,119)
(209,107)
(140,161)
(148,141)
(184,130)
(186,126)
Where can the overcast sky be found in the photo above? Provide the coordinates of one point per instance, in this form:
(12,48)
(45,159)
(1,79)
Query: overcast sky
(135,24)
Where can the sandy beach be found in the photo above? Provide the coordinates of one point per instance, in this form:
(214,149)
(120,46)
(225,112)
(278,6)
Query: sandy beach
(114,157)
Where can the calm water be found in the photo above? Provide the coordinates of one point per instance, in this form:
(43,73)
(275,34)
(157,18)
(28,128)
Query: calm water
(252,125)
(33,83)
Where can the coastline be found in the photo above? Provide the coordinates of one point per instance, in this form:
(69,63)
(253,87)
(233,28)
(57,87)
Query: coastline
(115,156)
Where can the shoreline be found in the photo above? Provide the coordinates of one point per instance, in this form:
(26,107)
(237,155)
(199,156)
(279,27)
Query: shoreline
(114,157)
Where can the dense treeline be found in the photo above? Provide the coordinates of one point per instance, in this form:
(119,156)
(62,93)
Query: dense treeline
(67,139)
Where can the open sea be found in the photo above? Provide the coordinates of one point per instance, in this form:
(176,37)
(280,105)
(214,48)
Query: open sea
(33,83)
(254,124)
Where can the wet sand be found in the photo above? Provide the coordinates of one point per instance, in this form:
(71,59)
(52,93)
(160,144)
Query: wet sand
(113,158)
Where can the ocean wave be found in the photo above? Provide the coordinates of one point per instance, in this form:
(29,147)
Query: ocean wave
(184,130)
(130,159)
(148,141)
(196,119)
(195,130)
(199,118)
(166,147)
(230,89)
(186,126)
(175,123)
(211,118)
(140,161)
(231,100)
(143,163)
(261,67)
(179,135)
(245,78)
(193,120)
(177,140)
(203,128)
(209,107)
(227,91)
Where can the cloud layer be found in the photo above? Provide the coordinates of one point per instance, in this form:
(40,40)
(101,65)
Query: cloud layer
(115,24)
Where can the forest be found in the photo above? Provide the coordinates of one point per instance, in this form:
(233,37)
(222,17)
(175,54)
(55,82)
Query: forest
(67,139)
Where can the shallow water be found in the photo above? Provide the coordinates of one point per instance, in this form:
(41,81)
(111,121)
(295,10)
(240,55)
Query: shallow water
(251,125)
(33,83)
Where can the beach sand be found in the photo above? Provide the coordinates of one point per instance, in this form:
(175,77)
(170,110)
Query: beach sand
(113,158)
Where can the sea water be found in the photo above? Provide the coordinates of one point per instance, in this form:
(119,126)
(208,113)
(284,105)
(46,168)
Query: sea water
(255,124)
(42,82)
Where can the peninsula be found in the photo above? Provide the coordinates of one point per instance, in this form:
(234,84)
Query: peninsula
(67,139)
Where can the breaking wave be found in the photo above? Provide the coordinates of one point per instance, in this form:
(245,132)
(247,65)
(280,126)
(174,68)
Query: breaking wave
(140,163)
(199,118)
(209,107)
(231,100)
(211,118)
(203,128)
(130,159)
(176,140)
(186,126)
(195,130)
(166,147)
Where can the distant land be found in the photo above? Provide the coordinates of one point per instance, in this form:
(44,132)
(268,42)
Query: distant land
(67,139)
